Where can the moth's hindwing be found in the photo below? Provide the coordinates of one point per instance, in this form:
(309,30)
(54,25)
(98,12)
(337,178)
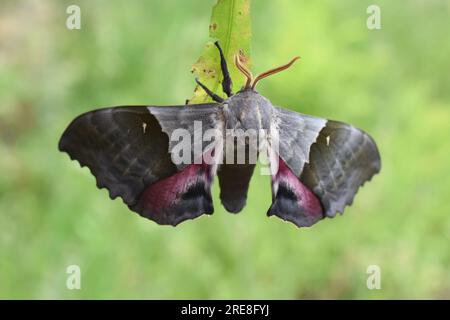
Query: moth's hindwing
(292,200)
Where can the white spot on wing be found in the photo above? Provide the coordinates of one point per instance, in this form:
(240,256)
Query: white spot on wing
(328,140)
(144,126)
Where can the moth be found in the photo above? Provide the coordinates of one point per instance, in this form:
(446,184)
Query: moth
(317,165)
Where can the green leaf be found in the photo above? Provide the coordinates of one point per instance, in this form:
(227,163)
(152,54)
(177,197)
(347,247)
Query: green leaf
(231,26)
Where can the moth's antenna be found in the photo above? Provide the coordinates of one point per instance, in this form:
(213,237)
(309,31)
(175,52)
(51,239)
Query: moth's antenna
(273,71)
(247,73)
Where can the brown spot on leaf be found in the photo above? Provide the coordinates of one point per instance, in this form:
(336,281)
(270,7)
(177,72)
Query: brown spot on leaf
(242,57)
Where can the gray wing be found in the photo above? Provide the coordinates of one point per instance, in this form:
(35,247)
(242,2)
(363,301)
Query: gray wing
(294,133)
(127,150)
(330,158)
(342,160)
(195,120)
(124,156)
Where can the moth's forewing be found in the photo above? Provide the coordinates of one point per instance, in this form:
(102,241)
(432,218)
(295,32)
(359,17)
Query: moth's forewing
(296,132)
(123,147)
(127,150)
(341,161)
(330,159)
(195,120)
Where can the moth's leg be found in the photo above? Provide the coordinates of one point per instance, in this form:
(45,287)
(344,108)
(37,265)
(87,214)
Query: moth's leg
(214,96)
(226,82)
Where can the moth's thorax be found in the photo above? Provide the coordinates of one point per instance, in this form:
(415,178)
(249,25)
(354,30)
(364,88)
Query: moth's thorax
(246,110)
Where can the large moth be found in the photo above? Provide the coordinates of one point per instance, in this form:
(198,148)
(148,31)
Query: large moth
(317,165)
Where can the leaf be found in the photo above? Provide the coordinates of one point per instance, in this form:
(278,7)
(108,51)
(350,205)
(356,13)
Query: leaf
(231,26)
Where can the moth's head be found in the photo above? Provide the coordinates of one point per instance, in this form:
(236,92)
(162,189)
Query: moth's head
(251,80)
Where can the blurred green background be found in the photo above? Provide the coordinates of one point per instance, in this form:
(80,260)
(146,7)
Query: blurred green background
(394,83)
